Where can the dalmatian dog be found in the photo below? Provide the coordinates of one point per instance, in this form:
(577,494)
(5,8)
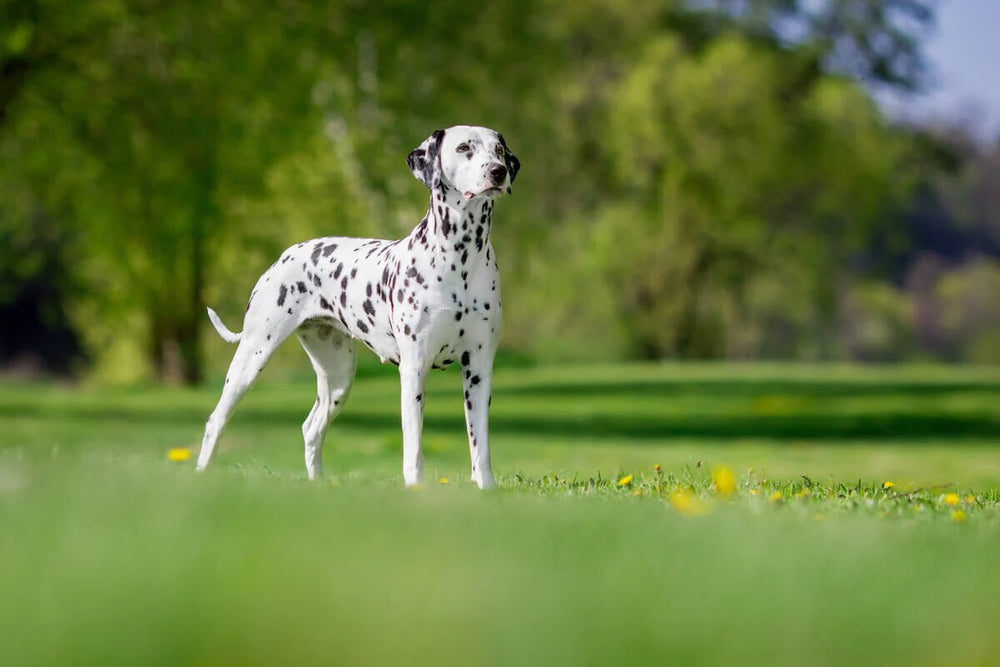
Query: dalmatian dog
(422,302)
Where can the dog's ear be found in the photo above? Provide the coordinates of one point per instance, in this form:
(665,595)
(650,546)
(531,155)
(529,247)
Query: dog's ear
(425,160)
(513,164)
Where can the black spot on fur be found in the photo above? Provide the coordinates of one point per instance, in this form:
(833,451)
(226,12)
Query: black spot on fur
(465,358)
(282,293)
(316,252)
(362,326)
(301,286)
(329,249)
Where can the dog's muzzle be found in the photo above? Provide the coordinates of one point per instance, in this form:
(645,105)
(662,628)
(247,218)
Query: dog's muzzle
(497,177)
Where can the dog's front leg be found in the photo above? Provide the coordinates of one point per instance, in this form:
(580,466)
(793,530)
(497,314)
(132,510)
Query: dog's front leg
(411,380)
(477,380)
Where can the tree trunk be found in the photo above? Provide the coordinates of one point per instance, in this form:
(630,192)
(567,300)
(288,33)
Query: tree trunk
(193,311)
(686,342)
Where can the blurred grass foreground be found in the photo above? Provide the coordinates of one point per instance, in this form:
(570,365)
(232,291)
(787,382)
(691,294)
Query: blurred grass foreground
(694,514)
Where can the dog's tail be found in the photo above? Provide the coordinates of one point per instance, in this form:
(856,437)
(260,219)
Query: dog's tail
(223,330)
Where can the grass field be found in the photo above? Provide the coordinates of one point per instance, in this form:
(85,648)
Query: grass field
(587,554)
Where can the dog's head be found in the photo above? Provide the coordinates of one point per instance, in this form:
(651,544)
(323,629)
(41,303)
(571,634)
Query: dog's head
(473,161)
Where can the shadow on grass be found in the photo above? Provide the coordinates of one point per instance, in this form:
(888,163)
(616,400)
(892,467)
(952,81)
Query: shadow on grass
(890,428)
(751,388)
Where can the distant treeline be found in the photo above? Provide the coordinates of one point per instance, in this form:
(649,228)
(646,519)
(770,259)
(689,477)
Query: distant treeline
(700,179)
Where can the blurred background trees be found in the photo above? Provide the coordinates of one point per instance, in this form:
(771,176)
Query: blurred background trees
(702,178)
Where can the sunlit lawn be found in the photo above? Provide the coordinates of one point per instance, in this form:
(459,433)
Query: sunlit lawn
(586,554)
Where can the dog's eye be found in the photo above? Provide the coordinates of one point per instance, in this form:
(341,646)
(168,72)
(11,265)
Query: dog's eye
(499,151)
(463,148)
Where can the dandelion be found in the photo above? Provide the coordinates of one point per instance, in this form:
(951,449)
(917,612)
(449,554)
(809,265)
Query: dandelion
(951,499)
(724,481)
(685,503)
(680,500)
(178,454)
(443,480)
(625,481)
(753,492)
(958,516)
(886,485)
(775,497)
(658,468)
(803,493)
(970,498)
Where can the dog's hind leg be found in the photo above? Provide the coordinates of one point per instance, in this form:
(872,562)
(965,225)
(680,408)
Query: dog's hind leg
(335,359)
(251,356)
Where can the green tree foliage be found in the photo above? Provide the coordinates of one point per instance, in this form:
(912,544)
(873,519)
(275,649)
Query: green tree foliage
(724,173)
(156,105)
(696,174)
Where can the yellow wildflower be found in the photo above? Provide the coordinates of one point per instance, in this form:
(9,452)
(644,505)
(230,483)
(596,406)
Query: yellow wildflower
(775,497)
(443,480)
(625,481)
(753,492)
(958,516)
(178,454)
(951,499)
(887,485)
(724,481)
(658,468)
(970,498)
(685,503)
(803,493)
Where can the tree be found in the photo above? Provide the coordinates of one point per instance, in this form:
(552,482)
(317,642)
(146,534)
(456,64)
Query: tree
(173,110)
(721,178)
(876,41)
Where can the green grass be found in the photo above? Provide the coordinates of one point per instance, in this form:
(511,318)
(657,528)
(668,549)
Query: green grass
(113,555)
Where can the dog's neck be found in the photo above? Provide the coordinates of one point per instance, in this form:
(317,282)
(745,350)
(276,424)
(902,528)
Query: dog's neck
(458,225)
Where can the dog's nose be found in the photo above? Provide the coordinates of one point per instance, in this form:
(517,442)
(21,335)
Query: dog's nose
(498,173)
